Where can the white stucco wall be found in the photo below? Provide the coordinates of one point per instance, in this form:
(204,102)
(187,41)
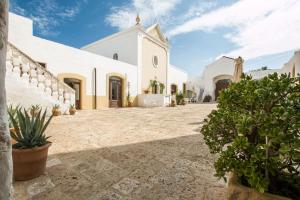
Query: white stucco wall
(125,44)
(224,66)
(64,59)
(178,77)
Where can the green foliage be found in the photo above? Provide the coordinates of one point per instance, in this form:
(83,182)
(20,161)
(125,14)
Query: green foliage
(256,133)
(13,112)
(161,88)
(207,98)
(180,98)
(56,106)
(72,106)
(29,131)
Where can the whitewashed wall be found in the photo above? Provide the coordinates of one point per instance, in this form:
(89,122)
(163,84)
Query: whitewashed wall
(125,44)
(222,67)
(64,59)
(176,76)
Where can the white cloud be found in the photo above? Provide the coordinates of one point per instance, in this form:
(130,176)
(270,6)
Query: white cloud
(258,27)
(47,14)
(150,11)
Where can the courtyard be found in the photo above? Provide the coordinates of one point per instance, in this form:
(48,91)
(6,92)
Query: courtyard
(129,153)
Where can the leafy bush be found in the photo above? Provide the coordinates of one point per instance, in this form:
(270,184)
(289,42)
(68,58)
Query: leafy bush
(256,133)
(29,131)
(180,98)
(207,98)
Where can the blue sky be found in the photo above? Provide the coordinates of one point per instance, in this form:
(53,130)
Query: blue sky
(264,33)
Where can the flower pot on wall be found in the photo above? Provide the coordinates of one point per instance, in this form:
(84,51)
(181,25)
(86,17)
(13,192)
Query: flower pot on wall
(29,163)
(237,191)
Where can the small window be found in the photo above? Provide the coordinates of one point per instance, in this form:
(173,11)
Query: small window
(155,61)
(116,56)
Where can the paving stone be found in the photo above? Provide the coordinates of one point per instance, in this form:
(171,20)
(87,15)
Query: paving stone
(53,162)
(126,186)
(39,187)
(127,154)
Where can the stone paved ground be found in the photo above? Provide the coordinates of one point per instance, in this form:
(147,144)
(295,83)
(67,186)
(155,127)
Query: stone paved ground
(130,154)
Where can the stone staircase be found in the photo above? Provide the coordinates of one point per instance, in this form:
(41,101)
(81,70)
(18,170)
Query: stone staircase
(28,83)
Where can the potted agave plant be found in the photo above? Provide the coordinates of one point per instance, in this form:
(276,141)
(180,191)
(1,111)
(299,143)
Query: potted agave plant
(30,151)
(72,109)
(56,110)
(34,110)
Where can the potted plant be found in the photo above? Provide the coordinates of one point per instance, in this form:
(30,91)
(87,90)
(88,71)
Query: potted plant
(129,103)
(56,110)
(34,110)
(153,86)
(72,109)
(255,132)
(31,148)
(146,91)
(207,99)
(180,99)
(161,88)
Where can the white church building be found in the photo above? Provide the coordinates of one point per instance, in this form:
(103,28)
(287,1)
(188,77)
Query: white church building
(131,66)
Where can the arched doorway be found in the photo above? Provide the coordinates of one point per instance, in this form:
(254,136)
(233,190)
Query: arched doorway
(173,89)
(76,85)
(221,85)
(115,92)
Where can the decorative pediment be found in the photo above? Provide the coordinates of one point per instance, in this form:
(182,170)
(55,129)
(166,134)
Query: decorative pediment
(156,33)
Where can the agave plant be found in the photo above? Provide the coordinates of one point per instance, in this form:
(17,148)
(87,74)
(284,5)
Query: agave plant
(34,109)
(29,131)
(12,111)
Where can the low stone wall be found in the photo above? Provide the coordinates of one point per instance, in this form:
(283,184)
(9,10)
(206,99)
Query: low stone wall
(236,191)
(153,100)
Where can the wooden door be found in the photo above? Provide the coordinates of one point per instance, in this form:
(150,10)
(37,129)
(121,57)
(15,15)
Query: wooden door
(115,92)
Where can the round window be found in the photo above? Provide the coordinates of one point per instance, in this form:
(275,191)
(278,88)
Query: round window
(155,61)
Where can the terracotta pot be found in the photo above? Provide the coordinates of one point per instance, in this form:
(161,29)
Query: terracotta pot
(29,163)
(56,112)
(72,111)
(129,104)
(236,191)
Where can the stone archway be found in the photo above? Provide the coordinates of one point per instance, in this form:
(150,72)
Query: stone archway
(116,90)
(221,85)
(222,82)
(78,83)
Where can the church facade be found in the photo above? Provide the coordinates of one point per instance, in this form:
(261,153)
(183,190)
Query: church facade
(109,72)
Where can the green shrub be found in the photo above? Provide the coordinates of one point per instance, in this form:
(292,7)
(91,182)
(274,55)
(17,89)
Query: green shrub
(29,131)
(180,98)
(256,133)
(207,98)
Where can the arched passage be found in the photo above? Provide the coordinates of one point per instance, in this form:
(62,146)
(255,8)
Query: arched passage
(222,82)
(78,83)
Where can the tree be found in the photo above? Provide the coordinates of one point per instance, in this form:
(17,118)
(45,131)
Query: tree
(256,133)
(5,144)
